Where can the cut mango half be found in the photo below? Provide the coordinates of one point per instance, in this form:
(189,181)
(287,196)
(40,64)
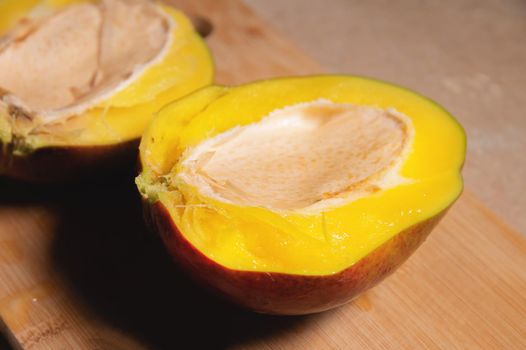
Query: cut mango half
(88,75)
(324,178)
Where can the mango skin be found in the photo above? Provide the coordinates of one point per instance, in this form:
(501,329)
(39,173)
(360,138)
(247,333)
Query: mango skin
(69,163)
(287,294)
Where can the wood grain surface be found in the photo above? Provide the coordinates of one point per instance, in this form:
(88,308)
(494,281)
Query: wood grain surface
(78,270)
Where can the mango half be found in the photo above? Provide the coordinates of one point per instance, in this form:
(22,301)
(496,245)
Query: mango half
(80,81)
(293,196)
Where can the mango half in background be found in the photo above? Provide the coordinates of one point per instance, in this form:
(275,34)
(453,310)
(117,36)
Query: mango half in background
(292,196)
(79,81)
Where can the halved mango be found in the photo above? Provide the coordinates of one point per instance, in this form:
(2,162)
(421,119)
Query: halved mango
(80,80)
(292,196)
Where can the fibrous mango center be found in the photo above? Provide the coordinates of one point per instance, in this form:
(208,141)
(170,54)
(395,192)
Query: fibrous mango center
(63,63)
(302,157)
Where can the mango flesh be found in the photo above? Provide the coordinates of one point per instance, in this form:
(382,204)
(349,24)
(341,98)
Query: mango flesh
(256,238)
(128,96)
(284,293)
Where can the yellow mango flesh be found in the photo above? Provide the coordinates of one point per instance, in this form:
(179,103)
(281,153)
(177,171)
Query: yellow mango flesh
(259,239)
(187,66)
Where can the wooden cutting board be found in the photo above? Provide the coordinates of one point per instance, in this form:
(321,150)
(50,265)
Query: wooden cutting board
(78,270)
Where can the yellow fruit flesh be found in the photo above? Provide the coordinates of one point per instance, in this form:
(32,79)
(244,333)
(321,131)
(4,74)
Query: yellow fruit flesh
(325,242)
(186,66)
